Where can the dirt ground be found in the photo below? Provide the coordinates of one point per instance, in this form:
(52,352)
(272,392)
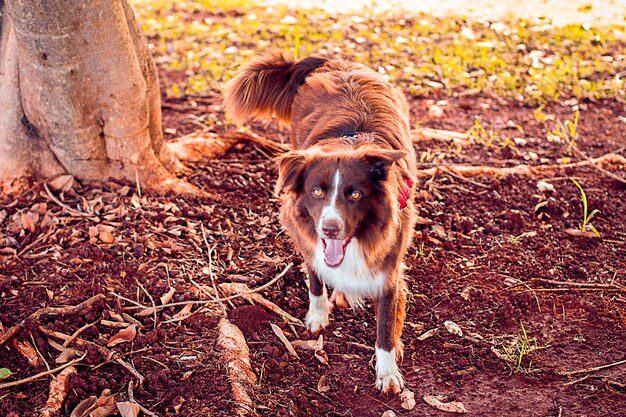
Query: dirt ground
(491,255)
(542,312)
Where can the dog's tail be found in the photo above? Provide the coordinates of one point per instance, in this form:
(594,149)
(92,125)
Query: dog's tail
(267,86)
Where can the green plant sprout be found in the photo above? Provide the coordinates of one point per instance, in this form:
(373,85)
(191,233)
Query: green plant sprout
(479,134)
(516,351)
(586,224)
(568,131)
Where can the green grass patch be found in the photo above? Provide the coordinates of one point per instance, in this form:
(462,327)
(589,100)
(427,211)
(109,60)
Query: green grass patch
(529,62)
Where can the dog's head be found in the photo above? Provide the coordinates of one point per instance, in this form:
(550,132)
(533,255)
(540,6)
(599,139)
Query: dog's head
(340,195)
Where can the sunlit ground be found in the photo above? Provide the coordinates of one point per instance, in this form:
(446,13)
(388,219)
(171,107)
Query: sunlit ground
(508,52)
(557,12)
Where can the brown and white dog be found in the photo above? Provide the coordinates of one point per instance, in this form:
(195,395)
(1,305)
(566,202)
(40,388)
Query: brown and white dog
(345,186)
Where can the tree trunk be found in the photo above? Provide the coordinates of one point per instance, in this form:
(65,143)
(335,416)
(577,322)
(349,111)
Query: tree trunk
(79,95)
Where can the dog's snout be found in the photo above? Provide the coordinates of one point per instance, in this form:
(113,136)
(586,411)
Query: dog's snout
(331,228)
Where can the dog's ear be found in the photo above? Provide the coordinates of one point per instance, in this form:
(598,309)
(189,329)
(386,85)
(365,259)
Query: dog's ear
(380,160)
(290,172)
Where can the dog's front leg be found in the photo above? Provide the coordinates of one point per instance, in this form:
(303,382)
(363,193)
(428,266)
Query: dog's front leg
(319,307)
(389,309)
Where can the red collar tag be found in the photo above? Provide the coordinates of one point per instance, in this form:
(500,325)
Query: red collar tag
(404,193)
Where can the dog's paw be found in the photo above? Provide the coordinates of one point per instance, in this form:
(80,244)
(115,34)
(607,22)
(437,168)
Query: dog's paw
(388,377)
(390,384)
(317,316)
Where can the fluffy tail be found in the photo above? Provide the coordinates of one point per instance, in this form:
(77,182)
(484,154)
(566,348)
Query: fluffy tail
(266,86)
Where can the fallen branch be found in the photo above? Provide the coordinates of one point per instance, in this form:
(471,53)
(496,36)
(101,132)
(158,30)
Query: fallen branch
(6,336)
(421,134)
(59,388)
(594,369)
(231,297)
(104,352)
(41,374)
(237,356)
(578,284)
(610,159)
(234,288)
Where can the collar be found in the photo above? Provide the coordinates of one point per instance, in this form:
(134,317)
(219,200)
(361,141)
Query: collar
(404,193)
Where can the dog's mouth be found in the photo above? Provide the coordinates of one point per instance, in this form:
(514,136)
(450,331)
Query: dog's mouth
(335,251)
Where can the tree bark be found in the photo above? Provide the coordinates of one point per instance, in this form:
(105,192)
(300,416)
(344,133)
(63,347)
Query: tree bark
(79,94)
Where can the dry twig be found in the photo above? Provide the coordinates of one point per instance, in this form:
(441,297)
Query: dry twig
(6,336)
(610,159)
(231,297)
(254,298)
(594,369)
(41,374)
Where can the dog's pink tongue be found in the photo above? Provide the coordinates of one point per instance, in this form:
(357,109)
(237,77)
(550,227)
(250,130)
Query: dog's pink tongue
(333,252)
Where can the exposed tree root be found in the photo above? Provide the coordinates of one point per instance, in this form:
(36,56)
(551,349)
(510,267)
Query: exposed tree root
(6,336)
(197,145)
(28,352)
(233,288)
(109,356)
(611,160)
(422,134)
(41,374)
(59,388)
(237,357)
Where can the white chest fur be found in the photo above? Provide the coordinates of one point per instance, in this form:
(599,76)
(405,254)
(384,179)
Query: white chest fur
(352,277)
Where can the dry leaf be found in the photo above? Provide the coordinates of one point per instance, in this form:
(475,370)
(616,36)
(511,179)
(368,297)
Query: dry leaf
(408,399)
(437,401)
(29,221)
(310,344)
(106,237)
(62,183)
(306,344)
(322,356)
(578,232)
(388,413)
(427,334)
(125,335)
(96,407)
(167,297)
(128,409)
(148,311)
(67,355)
(453,328)
(279,332)
(184,312)
(84,406)
(322,385)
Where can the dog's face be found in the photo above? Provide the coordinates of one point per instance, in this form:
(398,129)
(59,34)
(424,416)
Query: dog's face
(339,195)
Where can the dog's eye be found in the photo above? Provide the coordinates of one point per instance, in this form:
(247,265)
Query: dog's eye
(355,195)
(317,192)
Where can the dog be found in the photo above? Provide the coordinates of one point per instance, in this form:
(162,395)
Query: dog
(345,186)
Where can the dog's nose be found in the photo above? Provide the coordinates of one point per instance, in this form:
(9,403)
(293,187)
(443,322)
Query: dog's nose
(330,228)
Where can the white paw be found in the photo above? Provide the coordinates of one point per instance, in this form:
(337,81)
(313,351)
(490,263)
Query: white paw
(317,316)
(390,384)
(388,377)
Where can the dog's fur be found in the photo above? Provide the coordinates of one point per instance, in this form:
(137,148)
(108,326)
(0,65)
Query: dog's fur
(352,162)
